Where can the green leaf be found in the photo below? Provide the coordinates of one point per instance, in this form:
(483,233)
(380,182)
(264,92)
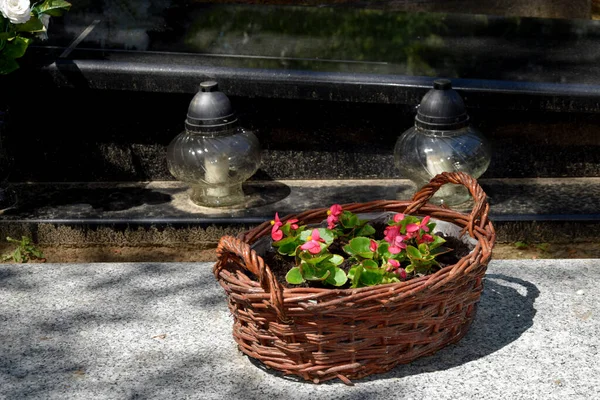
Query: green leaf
(36,252)
(437,241)
(413,252)
(521,245)
(348,219)
(321,275)
(308,271)
(360,247)
(54,8)
(288,249)
(355,274)
(309,258)
(16,48)
(313,273)
(336,259)
(390,278)
(7,35)
(370,264)
(371,277)
(33,25)
(287,245)
(423,248)
(326,235)
(294,276)
(348,250)
(409,268)
(365,230)
(17,256)
(337,277)
(283,241)
(7,65)
(383,249)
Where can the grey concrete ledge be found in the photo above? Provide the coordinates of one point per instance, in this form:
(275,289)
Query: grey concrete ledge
(163,331)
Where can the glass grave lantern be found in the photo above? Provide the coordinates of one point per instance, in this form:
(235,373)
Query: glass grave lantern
(442,140)
(214,154)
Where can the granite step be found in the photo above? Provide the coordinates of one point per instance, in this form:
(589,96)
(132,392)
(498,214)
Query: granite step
(163,331)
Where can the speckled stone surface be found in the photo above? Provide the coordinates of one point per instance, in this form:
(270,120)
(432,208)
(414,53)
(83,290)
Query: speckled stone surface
(163,331)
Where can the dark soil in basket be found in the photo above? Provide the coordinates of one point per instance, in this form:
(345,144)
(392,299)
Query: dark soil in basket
(280,265)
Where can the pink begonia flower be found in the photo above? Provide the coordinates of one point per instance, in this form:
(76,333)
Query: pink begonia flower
(313,242)
(426,238)
(411,228)
(398,217)
(292,223)
(335,209)
(398,245)
(390,233)
(401,272)
(395,239)
(333,215)
(276,233)
(392,265)
(373,246)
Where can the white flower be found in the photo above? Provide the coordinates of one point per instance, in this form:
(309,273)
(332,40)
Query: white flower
(17,11)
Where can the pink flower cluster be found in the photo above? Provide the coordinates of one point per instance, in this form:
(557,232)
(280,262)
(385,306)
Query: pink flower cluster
(333,215)
(397,240)
(394,266)
(276,232)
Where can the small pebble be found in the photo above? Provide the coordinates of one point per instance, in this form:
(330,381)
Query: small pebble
(580,291)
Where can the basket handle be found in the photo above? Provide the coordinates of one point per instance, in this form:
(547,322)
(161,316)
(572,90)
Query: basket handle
(231,246)
(480,209)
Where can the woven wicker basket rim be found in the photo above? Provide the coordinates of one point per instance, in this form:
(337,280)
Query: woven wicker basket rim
(415,281)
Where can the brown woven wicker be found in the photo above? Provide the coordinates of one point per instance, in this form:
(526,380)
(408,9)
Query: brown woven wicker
(322,334)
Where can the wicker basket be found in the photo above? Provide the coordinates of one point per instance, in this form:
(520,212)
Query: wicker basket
(322,334)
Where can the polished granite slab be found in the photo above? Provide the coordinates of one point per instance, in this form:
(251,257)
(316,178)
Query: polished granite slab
(326,53)
(167,202)
(163,331)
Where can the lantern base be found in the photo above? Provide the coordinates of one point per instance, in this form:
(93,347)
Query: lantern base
(455,196)
(222,196)
(451,195)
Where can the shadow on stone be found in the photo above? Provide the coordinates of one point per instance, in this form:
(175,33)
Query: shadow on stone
(100,199)
(505,311)
(259,194)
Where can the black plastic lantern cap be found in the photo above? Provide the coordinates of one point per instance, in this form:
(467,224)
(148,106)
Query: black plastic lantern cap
(210,110)
(442,108)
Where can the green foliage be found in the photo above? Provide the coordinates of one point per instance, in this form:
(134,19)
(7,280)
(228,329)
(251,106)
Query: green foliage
(521,245)
(16,38)
(24,251)
(544,247)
